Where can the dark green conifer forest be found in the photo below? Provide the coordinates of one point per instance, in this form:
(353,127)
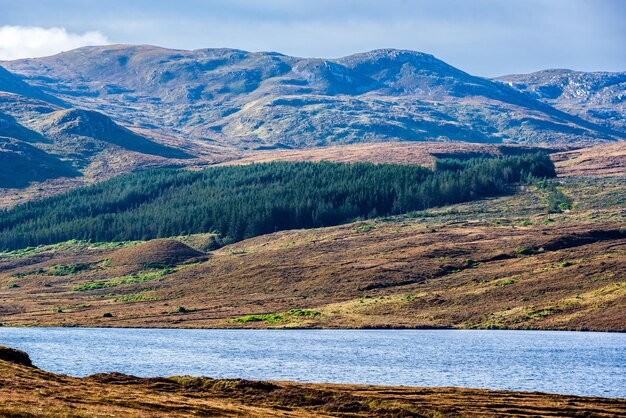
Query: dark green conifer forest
(238,202)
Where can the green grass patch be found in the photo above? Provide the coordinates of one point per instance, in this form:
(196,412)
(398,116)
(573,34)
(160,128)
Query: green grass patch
(68,269)
(113,245)
(542,313)
(469,263)
(556,200)
(273,318)
(134,297)
(133,278)
(303,312)
(364,228)
(525,251)
(505,282)
(269,318)
(72,245)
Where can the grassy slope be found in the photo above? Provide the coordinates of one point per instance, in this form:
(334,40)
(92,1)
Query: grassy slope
(30,392)
(411,271)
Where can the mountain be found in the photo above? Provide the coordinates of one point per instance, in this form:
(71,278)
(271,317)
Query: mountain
(44,138)
(599,97)
(269,100)
(115,109)
(10,128)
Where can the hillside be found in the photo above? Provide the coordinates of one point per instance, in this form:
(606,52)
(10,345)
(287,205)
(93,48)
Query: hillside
(594,96)
(22,389)
(248,200)
(265,99)
(508,262)
(601,160)
(90,145)
(11,83)
(420,153)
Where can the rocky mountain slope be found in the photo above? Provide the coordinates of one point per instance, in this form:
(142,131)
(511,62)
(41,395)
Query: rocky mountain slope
(22,164)
(44,138)
(254,100)
(599,97)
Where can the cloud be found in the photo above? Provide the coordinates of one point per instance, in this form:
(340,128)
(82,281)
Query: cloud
(32,41)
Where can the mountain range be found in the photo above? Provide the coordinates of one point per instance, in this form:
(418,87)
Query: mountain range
(95,112)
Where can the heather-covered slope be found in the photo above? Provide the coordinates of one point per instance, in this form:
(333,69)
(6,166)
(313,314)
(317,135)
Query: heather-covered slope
(27,391)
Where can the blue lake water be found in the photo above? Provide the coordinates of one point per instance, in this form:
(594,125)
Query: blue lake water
(579,363)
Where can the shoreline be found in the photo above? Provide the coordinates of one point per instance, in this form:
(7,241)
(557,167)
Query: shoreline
(290,328)
(26,390)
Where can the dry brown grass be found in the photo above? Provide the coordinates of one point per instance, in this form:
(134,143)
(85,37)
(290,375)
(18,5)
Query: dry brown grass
(602,160)
(163,252)
(421,153)
(30,392)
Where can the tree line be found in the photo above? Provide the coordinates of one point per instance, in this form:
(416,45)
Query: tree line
(238,202)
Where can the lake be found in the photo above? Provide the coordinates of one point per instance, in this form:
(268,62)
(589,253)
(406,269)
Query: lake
(579,363)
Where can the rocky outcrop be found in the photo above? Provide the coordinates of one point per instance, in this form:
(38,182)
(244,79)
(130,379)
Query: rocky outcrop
(15,356)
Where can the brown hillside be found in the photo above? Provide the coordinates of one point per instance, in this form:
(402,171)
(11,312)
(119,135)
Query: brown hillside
(29,392)
(162,252)
(388,274)
(601,160)
(421,153)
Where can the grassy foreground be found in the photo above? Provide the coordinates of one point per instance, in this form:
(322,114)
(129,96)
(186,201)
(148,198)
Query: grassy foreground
(26,391)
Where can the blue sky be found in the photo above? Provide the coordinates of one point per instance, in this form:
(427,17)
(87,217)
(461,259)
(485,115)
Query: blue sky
(483,37)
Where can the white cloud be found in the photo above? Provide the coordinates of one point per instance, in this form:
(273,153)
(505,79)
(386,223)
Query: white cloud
(32,41)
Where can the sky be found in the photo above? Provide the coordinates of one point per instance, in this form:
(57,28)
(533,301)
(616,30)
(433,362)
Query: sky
(483,37)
